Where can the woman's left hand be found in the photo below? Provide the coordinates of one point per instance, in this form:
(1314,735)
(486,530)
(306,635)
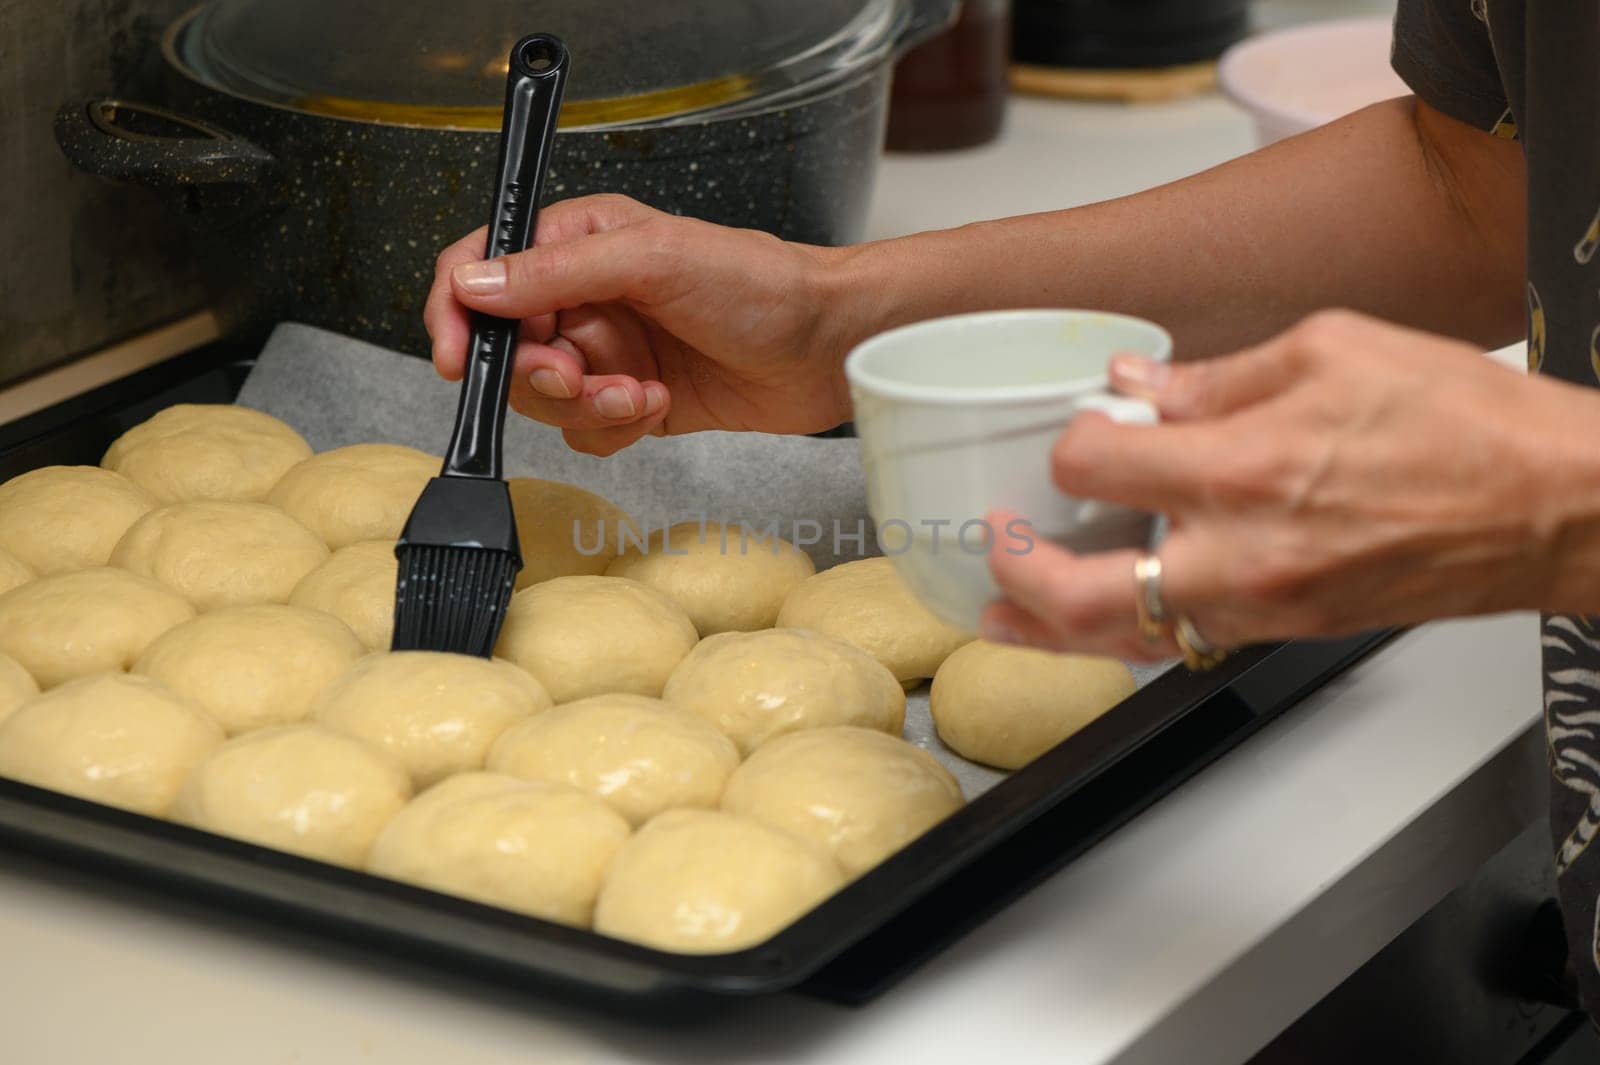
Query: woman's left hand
(1347,475)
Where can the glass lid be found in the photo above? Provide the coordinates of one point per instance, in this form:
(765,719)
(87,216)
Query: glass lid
(433,63)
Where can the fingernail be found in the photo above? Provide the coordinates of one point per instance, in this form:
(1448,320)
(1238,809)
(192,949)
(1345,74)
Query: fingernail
(486,278)
(547,382)
(654,398)
(614,403)
(1135,373)
(998,632)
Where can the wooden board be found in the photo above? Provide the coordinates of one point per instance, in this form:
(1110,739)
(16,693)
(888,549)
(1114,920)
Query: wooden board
(1143,85)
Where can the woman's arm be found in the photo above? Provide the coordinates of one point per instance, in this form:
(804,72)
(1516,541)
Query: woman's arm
(1396,211)
(640,322)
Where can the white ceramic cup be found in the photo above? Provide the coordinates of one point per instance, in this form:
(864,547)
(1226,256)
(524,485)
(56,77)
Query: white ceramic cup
(957,417)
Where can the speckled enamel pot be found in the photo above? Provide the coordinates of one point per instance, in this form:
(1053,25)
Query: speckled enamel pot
(336,222)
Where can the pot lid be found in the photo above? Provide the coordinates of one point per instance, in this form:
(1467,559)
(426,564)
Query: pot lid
(433,63)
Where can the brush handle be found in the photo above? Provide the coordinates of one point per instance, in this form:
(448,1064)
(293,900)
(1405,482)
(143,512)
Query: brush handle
(536,77)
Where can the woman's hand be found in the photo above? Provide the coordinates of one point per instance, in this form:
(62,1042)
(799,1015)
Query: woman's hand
(636,321)
(1348,475)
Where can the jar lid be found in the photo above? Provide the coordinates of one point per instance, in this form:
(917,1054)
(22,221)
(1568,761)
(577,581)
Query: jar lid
(433,63)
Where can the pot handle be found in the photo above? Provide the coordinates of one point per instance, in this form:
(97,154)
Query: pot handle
(927,18)
(143,145)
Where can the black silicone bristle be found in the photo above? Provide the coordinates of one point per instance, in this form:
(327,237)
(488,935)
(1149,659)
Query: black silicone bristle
(452,598)
(459,561)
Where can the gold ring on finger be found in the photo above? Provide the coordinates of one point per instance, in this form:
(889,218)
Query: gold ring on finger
(1199,653)
(1152,612)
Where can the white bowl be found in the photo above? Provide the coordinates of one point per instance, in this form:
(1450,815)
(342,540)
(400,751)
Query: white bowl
(957,417)
(1297,79)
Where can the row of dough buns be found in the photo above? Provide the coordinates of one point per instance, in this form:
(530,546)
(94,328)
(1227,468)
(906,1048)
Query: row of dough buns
(688,738)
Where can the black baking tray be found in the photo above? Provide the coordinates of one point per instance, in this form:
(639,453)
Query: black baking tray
(849,949)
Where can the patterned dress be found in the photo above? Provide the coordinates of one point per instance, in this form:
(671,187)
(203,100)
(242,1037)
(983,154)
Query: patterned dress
(1531,71)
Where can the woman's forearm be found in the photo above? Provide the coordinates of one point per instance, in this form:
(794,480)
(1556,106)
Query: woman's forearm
(1396,211)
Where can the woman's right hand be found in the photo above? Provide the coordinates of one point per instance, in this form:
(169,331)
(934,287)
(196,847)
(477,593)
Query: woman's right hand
(635,321)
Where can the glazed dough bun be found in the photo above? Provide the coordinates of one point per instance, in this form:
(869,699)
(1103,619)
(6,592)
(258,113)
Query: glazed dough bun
(583,636)
(639,754)
(756,685)
(121,740)
(434,713)
(867,604)
(17,685)
(1004,706)
(727,579)
(539,848)
(299,788)
(214,451)
(356,585)
(361,492)
(704,882)
(14,572)
(856,793)
(63,518)
(253,666)
(221,554)
(93,621)
(563,530)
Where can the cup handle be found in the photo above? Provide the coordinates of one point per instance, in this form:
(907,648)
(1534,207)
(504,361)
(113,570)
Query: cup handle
(1125,410)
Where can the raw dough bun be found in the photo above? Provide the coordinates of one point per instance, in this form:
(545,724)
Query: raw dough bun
(704,882)
(360,492)
(92,621)
(867,604)
(121,740)
(1004,706)
(858,794)
(62,518)
(212,451)
(726,580)
(299,788)
(639,754)
(539,848)
(434,713)
(756,685)
(585,636)
(253,666)
(17,685)
(356,586)
(14,572)
(551,547)
(221,554)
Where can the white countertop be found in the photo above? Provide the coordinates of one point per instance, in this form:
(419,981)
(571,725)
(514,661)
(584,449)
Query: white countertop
(1195,934)
(1056,153)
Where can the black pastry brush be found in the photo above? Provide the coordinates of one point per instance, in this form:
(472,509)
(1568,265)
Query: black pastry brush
(458,554)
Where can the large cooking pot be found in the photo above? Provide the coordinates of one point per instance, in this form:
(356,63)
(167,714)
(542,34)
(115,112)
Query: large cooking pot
(323,152)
